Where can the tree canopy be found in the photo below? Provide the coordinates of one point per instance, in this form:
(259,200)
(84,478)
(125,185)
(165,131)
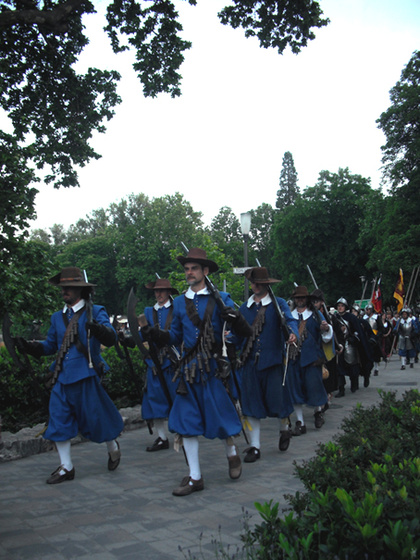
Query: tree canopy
(401,126)
(53,109)
(323,230)
(398,233)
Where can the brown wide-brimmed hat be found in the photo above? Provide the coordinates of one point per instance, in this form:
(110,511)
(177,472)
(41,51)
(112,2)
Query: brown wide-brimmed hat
(300,291)
(198,256)
(70,277)
(161,284)
(259,275)
(318,294)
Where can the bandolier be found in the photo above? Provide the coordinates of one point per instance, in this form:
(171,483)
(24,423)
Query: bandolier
(257,327)
(166,351)
(203,350)
(70,337)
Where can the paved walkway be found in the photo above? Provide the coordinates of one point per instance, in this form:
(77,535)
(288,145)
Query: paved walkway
(130,514)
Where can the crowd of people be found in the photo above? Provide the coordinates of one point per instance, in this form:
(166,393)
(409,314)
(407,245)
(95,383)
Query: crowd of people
(213,370)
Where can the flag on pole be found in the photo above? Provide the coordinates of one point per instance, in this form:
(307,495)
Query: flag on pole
(377,298)
(399,291)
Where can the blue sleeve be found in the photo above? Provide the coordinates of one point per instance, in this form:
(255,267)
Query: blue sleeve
(290,320)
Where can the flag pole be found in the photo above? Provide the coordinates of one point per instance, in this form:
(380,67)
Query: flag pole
(412,284)
(373,288)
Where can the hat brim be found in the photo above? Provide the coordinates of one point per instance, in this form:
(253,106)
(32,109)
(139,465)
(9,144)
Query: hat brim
(152,286)
(212,266)
(55,280)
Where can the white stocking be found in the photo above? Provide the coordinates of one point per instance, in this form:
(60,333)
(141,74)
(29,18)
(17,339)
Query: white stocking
(160,427)
(112,445)
(64,452)
(191,451)
(255,431)
(230,447)
(299,413)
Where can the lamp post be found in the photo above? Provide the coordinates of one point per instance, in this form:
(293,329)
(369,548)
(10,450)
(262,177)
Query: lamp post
(245,229)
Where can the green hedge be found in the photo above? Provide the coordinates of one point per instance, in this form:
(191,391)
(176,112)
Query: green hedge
(361,498)
(24,398)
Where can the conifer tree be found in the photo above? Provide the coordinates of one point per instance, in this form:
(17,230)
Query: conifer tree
(288,191)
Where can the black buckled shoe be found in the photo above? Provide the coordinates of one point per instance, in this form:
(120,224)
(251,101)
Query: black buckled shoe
(235,466)
(299,429)
(114,458)
(284,441)
(319,419)
(252,455)
(60,475)
(188,486)
(158,445)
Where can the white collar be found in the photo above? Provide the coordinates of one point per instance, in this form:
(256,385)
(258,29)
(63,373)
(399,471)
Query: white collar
(190,294)
(165,305)
(75,307)
(306,314)
(266,300)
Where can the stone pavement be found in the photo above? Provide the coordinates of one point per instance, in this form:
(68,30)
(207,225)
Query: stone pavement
(130,514)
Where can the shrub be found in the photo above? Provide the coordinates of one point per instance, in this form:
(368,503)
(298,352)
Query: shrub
(24,397)
(361,493)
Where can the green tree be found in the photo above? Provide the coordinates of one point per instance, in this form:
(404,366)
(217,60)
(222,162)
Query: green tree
(225,232)
(322,229)
(97,255)
(224,278)
(53,110)
(25,291)
(147,229)
(289,190)
(401,126)
(262,220)
(16,196)
(398,233)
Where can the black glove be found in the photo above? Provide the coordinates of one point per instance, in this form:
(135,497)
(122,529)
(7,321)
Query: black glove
(126,340)
(146,333)
(239,324)
(105,335)
(229,314)
(156,335)
(32,348)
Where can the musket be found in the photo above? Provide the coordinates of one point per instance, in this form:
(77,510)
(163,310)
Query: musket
(151,353)
(327,349)
(327,315)
(24,367)
(89,317)
(11,346)
(284,327)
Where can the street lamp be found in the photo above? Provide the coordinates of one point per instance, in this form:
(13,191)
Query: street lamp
(245,229)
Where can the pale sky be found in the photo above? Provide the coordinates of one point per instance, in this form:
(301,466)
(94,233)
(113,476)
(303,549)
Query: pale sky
(242,107)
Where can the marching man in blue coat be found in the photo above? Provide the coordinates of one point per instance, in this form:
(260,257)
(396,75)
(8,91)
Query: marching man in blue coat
(202,406)
(262,358)
(304,378)
(155,406)
(78,402)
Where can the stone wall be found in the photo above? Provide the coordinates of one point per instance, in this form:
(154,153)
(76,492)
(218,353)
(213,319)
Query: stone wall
(29,441)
